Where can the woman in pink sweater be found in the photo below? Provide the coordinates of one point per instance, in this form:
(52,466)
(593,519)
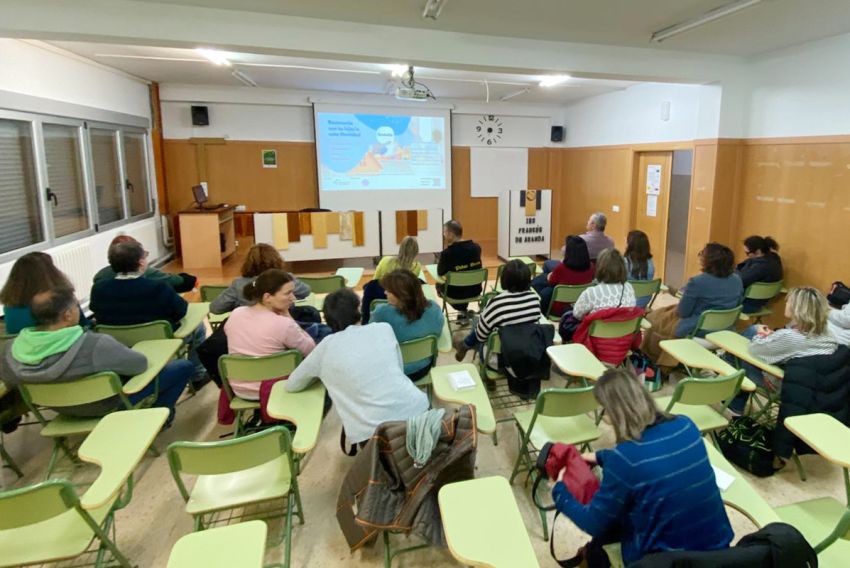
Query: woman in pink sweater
(265,327)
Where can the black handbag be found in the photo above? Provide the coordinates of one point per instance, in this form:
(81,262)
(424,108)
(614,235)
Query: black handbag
(839,296)
(747,444)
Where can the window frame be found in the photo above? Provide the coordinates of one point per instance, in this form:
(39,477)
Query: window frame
(36,122)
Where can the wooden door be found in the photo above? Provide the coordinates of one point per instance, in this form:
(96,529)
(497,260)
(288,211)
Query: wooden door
(652,202)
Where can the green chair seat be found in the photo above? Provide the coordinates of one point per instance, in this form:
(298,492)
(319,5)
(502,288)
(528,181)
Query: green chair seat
(705,417)
(424,381)
(62,426)
(64,536)
(264,482)
(817,519)
(242,546)
(242,404)
(566,430)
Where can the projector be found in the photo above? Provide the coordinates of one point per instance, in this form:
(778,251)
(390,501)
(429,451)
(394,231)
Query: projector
(405,93)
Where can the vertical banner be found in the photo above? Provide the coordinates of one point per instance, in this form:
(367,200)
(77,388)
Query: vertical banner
(293,228)
(280,231)
(319,227)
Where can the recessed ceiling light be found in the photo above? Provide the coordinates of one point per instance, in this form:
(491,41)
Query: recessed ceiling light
(213,55)
(553,80)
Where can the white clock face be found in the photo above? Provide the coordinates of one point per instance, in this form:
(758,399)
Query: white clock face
(489,129)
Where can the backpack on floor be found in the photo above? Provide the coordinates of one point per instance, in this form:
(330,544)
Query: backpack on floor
(747,444)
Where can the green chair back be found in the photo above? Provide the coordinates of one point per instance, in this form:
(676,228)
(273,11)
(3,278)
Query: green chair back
(466,277)
(210,293)
(700,391)
(323,284)
(375,303)
(612,329)
(36,503)
(418,349)
(644,288)
(129,335)
(497,285)
(93,388)
(563,402)
(565,293)
(228,456)
(716,320)
(762,290)
(247,368)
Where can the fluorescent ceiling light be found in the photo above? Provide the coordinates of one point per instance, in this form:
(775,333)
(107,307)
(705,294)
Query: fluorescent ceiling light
(243,78)
(433,8)
(553,80)
(216,57)
(398,70)
(716,14)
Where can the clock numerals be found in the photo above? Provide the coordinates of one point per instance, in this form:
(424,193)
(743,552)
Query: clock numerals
(477,129)
(489,141)
(499,131)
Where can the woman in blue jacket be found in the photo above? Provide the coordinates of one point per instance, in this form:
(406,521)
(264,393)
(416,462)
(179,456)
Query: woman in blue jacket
(658,488)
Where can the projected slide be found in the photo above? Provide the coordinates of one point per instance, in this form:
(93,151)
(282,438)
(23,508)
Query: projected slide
(372,151)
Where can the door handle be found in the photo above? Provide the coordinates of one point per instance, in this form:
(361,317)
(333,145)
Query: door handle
(52,196)
(129,185)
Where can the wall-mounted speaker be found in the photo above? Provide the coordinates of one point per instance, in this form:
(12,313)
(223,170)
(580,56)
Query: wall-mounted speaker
(557,134)
(200,116)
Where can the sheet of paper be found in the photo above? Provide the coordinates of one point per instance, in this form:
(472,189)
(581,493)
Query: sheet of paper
(461,380)
(651,205)
(653,179)
(724,480)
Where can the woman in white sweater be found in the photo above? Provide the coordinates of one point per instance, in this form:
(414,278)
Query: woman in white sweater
(611,289)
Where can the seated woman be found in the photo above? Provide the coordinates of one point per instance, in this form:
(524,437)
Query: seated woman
(517,303)
(408,249)
(261,257)
(611,290)
(31,274)
(716,288)
(763,264)
(658,490)
(639,265)
(576,268)
(265,326)
(360,366)
(838,320)
(410,314)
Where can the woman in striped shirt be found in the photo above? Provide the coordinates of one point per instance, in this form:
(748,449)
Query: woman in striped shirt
(516,304)
(611,291)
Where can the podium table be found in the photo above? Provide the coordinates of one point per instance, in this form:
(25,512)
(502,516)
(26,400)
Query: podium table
(207,237)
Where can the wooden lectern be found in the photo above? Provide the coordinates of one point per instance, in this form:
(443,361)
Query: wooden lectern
(207,237)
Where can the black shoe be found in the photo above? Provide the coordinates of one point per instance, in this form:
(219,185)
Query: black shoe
(201,381)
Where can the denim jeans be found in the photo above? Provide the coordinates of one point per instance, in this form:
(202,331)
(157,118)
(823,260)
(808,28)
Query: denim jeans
(193,341)
(549,265)
(172,382)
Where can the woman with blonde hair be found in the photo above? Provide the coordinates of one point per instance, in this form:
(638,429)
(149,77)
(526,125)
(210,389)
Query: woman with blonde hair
(261,257)
(408,249)
(612,289)
(658,490)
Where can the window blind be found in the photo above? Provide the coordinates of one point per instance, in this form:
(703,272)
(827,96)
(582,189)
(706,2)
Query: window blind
(107,175)
(20,218)
(65,179)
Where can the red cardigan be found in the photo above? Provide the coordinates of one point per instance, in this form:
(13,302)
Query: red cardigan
(609,350)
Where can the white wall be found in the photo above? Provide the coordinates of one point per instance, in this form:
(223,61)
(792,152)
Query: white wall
(30,69)
(40,71)
(633,115)
(801,91)
(241,113)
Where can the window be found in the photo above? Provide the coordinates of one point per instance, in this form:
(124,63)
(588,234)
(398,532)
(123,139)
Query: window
(107,175)
(65,189)
(136,172)
(63,178)
(20,216)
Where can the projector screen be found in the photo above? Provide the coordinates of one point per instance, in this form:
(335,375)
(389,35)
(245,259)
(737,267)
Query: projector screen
(388,158)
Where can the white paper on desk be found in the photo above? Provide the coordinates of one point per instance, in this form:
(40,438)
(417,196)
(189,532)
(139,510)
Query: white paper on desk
(724,480)
(461,380)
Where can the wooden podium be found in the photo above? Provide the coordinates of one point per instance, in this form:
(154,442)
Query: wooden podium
(525,221)
(207,237)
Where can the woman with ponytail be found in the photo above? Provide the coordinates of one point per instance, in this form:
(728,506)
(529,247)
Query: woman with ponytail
(264,327)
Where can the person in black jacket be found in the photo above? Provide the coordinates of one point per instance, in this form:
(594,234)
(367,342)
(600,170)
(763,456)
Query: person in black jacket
(459,255)
(763,264)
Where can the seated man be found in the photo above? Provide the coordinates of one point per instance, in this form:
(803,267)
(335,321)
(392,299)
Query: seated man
(595,237)
(460,254)
(180,282)
(57,350)
(130,299)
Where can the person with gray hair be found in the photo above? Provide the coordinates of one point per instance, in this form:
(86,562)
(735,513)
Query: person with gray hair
(58,350)
(595,237)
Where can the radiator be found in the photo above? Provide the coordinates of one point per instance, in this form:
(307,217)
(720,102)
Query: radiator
(76,263)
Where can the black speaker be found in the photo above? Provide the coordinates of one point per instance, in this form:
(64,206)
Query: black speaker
(200,116)
(557,133)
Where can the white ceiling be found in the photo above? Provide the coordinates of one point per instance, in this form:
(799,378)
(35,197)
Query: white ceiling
(768,26)
(185,66)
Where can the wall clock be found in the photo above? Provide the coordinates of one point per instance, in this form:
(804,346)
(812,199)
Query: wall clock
(489,129)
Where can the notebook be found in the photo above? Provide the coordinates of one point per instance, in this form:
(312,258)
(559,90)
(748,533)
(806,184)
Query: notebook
(461,380)
(724,480)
